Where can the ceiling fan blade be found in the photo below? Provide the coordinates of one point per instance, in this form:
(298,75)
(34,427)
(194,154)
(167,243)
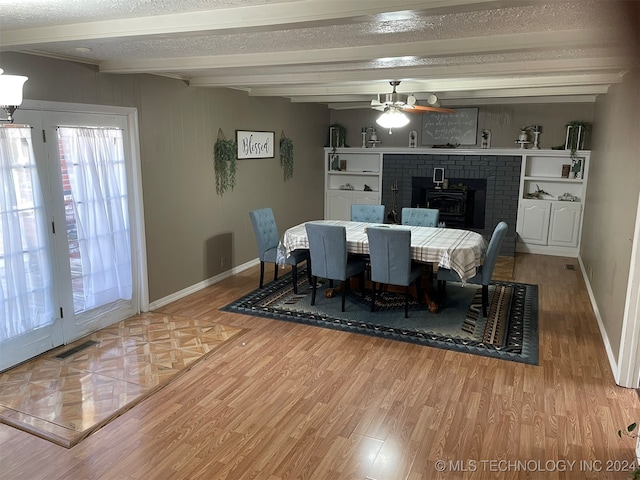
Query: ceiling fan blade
(423,108)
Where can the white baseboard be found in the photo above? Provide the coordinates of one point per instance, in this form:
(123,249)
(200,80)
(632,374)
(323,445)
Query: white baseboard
(603,332)
(204,284)
(522,247)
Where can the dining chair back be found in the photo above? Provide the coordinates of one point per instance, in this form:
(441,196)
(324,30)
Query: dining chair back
(329,257)
(484,272)
(391,264)
(367,213)
(420,217)
(267,238)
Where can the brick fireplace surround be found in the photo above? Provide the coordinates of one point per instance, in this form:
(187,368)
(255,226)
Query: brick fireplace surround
(502,173)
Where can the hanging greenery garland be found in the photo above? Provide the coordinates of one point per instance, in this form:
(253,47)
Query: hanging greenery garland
(286,156)
(225,158)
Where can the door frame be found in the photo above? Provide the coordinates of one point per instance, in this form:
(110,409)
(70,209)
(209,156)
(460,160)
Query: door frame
(628,368)
(138,239)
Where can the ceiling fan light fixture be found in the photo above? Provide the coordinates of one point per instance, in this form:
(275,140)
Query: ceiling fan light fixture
(392,118)
(433,100)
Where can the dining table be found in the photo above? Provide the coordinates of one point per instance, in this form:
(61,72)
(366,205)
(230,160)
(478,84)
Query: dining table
(460,250)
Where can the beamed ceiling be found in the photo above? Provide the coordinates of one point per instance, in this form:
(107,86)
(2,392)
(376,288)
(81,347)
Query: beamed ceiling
(344,52)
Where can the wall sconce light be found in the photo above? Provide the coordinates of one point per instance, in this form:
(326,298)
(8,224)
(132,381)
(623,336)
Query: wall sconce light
(10,94)
(392,118)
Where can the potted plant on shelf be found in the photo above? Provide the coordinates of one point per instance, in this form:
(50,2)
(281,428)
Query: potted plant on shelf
(337,136)
(630,431)
(575,136)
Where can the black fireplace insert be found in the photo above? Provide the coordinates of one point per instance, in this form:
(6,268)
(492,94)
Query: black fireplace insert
(461,205)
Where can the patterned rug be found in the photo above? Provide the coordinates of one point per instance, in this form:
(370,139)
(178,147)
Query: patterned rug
(510,332)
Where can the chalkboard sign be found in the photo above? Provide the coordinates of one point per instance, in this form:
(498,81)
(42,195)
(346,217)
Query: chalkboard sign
(450,128)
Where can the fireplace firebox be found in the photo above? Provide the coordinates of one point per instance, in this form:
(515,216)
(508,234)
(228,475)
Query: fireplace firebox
(455,206)
(462,205)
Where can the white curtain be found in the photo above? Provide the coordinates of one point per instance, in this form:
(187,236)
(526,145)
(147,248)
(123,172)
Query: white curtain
(26,298)
(94,161)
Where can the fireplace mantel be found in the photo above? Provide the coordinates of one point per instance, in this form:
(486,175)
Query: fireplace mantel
(456,151)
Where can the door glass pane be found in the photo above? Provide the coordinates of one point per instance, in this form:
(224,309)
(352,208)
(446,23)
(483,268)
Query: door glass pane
(97,220)
(26,297)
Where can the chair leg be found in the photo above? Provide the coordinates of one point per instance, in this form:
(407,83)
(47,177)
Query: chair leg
(406,302)
(419,296)
(294,274)
(442,288)
(309,269)
(261,273)
(313,290)
(373,299)
(485,299)
(345,285)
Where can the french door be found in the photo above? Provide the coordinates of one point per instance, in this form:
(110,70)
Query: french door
(69,259)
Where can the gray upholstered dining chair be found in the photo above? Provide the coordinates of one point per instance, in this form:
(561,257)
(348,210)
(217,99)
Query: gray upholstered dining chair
(267,238)
(367,213)
(420,217)
(391,264)
(485,271)
(329,257)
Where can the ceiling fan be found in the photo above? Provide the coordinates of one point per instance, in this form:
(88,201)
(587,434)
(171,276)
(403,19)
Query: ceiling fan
(407,103)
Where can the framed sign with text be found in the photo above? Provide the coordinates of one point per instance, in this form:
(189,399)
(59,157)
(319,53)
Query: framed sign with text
(460,128)
(255,144)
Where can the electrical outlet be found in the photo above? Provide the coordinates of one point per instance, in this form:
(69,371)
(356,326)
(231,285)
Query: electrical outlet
(590,272)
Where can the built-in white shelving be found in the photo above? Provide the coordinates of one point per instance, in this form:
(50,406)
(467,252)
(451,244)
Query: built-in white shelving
(550,208)
(352,176)
(546,224)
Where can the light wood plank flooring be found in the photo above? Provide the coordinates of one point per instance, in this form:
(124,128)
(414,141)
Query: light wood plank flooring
(288,401)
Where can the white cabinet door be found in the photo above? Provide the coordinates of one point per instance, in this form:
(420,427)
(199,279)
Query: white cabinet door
(338,202)
(533,221)
(564,225)
(366,198)
(338,205)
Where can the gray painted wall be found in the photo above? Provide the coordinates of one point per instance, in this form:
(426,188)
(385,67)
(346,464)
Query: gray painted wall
(611,202)
(189,228)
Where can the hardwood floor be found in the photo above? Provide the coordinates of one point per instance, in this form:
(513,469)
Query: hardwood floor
(288,401)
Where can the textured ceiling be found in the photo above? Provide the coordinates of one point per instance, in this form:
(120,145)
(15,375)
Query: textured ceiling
(342,52)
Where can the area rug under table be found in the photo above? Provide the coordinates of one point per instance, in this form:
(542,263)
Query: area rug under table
(510,332)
